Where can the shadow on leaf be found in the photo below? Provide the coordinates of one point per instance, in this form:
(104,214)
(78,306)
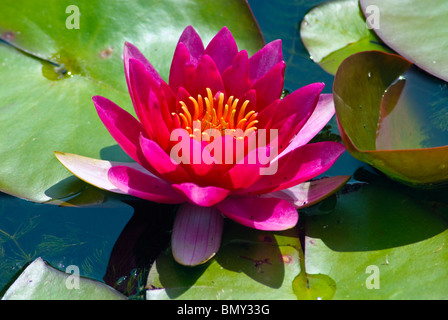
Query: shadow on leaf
(379,215)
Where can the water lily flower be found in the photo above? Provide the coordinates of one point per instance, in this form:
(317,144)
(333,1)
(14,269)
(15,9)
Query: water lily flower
(214,92)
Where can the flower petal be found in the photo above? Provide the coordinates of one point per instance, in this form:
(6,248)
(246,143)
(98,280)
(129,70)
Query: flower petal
(143,185)
(309,193)
(195,158)
(131,52)
(149,102)
(207,75)
(301,103)
(322,114)
(201,196)
(93,171)
(182,69)
(290,114)
(260,213)
(123,127)
(299,165)
(262,61)
(222,49)
(161,162)
(236,77)
(269,87)
(197,233)
(246,171)
(193,42)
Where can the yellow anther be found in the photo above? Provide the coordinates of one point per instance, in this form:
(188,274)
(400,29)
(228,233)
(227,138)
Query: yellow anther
(212,112)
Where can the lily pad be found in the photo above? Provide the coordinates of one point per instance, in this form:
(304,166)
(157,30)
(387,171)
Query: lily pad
(384,121)
(45,108)
(250,264)
(40,281)
(417,30)
(382,241)
(335,30)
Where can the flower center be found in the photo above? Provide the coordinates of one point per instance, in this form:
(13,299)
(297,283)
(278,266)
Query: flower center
(212,112)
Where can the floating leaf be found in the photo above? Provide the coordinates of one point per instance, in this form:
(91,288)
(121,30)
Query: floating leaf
(334,30)
(40,281)
(382,110)
(382,241)
(313,286)
(250,264)
(47,107)
(417,30)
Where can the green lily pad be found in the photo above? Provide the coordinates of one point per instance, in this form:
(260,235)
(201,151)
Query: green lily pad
(335,30)
(40,281)
(382,241)
(45,108)
(417,30)
(250,264)
(385,117)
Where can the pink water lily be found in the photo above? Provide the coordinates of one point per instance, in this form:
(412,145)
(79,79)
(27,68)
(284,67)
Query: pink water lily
(216,89)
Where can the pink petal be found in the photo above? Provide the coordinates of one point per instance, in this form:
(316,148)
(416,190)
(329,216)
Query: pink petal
(93,171)
(299,165)
(182,68)
(195,158)
(236,77)
(192,41)
(207,75)
(170,98)
(309,193)
(197,233)
(181,95)
(149,102)
(269,87)
(246,172)
(251,95)
(322,114)
(131,52)
(292,112)
(143,185)
(265,59)
(161,162)
(161,133)
(260,213)
(201,196)
(301,103)
(123,127)
(222,49)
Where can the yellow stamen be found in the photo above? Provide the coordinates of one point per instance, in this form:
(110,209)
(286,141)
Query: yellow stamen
(220,105)
(201,105)
(187,114)
(243,108)
(184,120)
(215,112)
(196,108)
(252,124)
